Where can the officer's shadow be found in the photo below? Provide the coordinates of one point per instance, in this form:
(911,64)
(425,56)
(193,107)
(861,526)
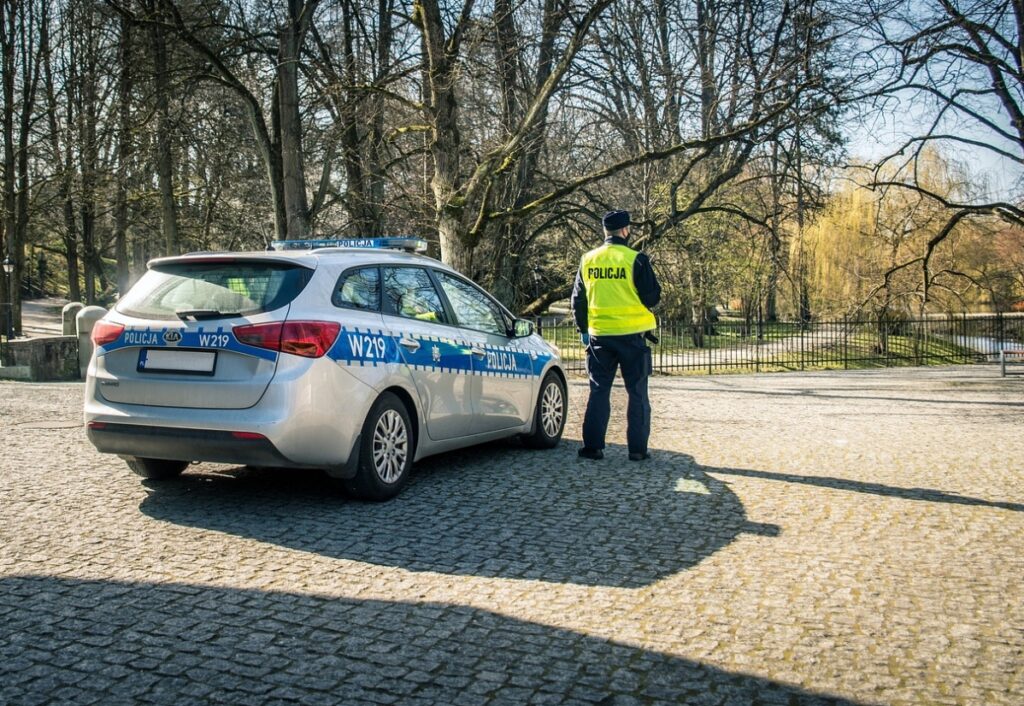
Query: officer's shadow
(495,511)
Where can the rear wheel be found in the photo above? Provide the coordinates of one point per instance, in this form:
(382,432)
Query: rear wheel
(156,468)
(386,451)
(549,417)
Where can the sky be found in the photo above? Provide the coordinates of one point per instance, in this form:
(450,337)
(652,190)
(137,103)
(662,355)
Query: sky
(994,176)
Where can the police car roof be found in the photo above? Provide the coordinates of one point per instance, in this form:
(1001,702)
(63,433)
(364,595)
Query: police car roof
(305,258)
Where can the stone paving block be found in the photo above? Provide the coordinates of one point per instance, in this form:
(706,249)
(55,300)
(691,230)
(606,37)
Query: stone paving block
(800,539)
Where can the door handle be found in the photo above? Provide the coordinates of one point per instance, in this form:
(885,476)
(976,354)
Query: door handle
(410,343)
(478,352)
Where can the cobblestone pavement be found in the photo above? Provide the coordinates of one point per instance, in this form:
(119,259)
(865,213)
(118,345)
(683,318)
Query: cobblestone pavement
(853,538)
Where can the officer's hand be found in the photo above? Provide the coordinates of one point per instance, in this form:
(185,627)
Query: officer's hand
(585,339)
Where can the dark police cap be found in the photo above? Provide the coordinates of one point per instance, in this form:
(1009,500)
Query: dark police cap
(615,220)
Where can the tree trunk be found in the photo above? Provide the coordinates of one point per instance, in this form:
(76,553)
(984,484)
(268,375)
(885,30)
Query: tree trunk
(462,203)
(445,139)
(18,27)
(8,224)
(455,251)
(88,152)
(516,187)
(707,36)
(804,294)
(376,175)
(357,198)
(697,308)
(63,163)
(164,158)
(449,204)
(124,147)
(774,238)
(747,306)
(290,40)
(71,234)
(272,158)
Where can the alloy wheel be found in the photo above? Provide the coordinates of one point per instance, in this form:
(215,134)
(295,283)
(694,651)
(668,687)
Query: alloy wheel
(552,409)
(390,446)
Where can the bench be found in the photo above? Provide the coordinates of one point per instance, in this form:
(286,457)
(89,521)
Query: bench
(1008,353)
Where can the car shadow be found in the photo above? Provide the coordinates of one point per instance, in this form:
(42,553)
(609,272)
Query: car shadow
(497,510)
(82,641)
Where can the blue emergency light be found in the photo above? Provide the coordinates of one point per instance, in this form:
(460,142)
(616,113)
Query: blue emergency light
(407,243)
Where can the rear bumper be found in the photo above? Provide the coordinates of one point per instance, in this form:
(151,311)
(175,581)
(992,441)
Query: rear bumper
(178,444)
(183,444)
(308,417)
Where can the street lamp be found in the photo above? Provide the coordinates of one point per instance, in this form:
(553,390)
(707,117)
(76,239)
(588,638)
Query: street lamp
(9,271)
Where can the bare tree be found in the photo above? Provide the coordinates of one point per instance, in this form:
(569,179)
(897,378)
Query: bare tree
(354,73)
(957,68)
(463,196)
(19,57)
(59,138)
(279,139)
(157,34)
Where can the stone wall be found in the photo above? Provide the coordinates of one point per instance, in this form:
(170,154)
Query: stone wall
(41,359)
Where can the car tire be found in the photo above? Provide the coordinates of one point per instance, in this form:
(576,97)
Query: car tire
(385,453)
(156,468)
(549,416)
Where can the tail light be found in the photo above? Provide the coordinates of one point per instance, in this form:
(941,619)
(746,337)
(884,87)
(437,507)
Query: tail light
(310,339)
(248,436)
(105,332)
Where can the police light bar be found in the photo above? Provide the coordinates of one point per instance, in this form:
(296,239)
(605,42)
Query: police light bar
(407,243)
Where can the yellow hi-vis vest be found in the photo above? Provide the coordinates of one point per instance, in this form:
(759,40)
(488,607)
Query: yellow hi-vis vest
(613,306)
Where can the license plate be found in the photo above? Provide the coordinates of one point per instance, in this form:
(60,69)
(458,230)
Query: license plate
(155,360)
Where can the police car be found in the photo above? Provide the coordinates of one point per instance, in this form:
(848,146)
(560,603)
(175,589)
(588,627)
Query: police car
(353,356)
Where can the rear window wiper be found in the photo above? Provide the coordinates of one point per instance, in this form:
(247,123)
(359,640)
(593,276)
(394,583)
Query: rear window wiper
(199,314)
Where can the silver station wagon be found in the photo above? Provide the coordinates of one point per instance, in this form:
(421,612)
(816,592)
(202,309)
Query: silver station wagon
(348,356)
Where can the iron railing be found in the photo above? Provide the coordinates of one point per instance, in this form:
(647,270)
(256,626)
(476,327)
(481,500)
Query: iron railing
(728,346)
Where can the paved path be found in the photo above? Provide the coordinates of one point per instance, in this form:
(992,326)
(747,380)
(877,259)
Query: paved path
(41,317)
(847,538)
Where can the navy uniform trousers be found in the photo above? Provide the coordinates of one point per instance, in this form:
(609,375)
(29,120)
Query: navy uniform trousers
(604,355)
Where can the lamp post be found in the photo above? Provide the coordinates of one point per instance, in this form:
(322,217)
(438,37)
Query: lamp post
(9,271)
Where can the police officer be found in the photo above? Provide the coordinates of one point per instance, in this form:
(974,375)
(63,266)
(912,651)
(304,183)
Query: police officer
(614,292)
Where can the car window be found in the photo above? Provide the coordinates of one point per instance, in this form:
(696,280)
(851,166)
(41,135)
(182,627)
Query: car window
(358,289)
(409,292)
(472,308)
(228,288)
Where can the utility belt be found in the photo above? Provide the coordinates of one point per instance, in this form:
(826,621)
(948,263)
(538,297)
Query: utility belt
(648,335)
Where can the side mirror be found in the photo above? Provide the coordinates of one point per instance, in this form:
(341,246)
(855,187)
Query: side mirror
(523,328)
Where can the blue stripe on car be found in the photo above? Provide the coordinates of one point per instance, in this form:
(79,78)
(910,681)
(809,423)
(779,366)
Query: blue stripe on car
(201,338)
(359,347)
(375,347)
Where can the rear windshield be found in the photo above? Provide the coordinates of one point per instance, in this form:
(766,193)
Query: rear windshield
(213,289)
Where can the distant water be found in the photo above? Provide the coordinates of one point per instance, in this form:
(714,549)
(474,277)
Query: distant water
(986,344)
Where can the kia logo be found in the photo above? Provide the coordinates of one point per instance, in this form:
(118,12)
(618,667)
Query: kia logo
(172,336)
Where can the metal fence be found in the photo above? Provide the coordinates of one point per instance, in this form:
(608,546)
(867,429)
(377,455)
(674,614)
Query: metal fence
(733,346)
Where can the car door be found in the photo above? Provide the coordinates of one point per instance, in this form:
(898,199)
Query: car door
(363,341)
(503,371)
(438,361)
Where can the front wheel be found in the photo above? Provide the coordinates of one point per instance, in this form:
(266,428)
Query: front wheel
(386,451)
(156,468)
(549,417)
